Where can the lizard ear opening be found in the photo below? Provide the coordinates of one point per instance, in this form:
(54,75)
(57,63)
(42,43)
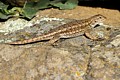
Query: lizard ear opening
(95,21)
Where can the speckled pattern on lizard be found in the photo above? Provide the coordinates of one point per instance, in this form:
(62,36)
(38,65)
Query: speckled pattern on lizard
(68,30)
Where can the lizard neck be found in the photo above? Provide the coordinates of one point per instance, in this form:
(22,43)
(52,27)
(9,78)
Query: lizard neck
(93,23)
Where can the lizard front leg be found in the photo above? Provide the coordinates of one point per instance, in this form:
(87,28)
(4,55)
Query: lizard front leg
(90,34)
(99,33)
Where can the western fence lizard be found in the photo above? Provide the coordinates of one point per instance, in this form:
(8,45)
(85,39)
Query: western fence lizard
(71,29)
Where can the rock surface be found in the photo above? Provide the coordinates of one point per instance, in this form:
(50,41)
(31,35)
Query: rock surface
(76,58)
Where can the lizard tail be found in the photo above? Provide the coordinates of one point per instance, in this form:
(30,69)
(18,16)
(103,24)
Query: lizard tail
(29,40)
(25,41)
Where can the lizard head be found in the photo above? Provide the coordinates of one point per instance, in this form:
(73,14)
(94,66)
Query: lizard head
(98,19)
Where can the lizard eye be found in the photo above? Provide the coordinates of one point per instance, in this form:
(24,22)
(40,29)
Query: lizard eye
(100,17)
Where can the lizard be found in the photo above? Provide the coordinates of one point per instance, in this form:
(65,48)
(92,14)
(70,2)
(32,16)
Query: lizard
(68,30)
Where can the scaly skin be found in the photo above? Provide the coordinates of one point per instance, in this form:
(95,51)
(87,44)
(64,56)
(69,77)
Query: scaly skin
(71,29)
